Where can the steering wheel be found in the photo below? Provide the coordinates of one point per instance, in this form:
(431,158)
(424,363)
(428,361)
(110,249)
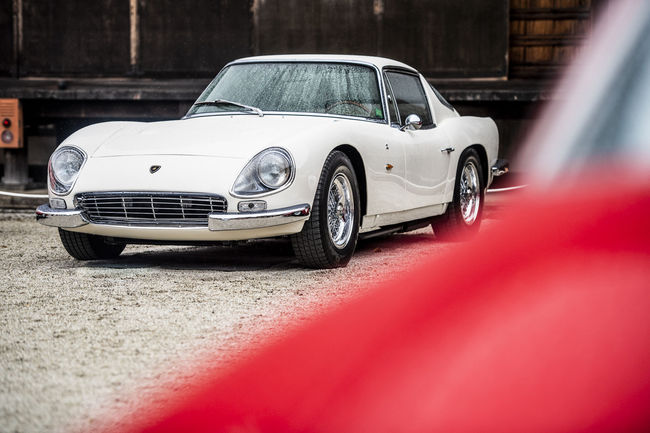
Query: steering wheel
(347,102)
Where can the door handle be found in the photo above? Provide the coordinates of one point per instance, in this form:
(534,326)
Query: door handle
(448,149)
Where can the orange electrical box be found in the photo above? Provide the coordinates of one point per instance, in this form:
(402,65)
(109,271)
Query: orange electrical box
(11,126)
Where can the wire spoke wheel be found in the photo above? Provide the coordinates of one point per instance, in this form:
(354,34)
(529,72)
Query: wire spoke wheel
(340,210)
(329,237)
(470,193)
(462,219)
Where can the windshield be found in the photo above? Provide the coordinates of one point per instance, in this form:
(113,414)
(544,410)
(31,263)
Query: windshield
(327,88)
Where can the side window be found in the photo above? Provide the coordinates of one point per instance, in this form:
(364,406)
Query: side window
(441,98)
(392,110)
(410,97)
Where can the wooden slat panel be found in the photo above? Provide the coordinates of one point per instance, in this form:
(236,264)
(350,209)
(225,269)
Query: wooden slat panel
(75,38)
(546,34)
(550,14)
(7,56)
(442,38)
(322,26)
(546,40)
(448,38)
(192,38)
(536,70)
(549,4)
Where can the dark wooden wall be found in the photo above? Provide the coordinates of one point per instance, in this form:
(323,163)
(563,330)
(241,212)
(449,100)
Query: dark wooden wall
(191,38)
(194,38)
(126,42)
(7,55)
(328,26)
(74,37)
(448,38)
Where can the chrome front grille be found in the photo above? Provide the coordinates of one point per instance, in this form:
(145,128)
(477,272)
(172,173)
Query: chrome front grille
(150,208)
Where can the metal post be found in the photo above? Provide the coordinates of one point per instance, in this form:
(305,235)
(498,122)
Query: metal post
(16,175)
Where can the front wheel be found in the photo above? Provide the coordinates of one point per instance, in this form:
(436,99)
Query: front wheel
(83,246)
(329,237)
(462,219)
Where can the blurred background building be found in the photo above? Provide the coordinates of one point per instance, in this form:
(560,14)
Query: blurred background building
(75,62)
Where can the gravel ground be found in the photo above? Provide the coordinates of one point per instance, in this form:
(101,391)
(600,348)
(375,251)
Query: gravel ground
(82,339)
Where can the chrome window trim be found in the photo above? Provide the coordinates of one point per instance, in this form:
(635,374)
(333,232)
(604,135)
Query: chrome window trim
(398,122)
(405,71)
(441,98)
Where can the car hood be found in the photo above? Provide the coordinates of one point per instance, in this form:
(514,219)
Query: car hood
(227,136)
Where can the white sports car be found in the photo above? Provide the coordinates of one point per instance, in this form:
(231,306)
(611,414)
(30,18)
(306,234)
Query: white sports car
(324,149)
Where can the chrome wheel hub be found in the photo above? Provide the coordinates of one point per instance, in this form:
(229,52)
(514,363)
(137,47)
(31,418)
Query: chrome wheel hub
(340,210)
(470,193)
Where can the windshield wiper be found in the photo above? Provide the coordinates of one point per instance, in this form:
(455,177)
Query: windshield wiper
(236,104)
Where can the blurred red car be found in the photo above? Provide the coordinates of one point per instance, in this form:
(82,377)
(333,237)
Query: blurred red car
(551,333)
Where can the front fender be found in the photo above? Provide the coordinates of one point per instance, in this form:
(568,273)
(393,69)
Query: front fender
(92,137)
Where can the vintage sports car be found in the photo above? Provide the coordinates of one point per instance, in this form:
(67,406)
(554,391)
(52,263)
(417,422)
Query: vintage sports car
(323,149)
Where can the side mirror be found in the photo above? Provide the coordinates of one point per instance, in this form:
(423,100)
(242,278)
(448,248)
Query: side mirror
(412,123)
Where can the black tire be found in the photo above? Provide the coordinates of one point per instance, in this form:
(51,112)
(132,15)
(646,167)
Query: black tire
(315,246)
(454,225)
(83,246)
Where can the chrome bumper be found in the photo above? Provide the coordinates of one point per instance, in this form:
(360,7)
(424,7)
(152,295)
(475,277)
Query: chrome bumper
(270,218)
(66,218)
(71,218)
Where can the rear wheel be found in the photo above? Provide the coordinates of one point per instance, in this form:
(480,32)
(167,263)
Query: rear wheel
(463,217)
(329,237)
(83,246)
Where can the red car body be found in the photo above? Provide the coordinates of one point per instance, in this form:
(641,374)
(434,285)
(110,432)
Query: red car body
(542,324)
(549,333)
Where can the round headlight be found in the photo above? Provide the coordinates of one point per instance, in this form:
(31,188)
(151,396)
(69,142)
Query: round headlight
(64,168)
(274,169)
(269,171)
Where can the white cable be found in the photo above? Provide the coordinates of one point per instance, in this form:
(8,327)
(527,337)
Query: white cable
(17,194)
(512,188)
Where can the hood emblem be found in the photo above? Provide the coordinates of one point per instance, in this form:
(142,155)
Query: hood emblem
(154,168)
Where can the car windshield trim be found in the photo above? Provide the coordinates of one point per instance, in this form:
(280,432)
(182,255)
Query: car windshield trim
(375,70)
(287,113)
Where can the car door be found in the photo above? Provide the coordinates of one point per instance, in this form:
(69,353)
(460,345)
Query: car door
(425,155)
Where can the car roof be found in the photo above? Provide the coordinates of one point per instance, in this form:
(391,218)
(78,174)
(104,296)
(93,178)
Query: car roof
(379,62)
